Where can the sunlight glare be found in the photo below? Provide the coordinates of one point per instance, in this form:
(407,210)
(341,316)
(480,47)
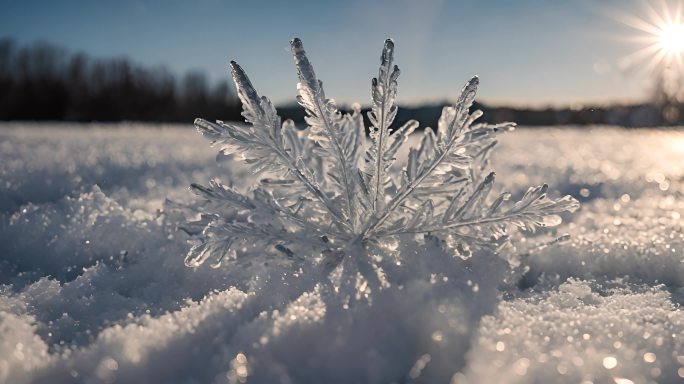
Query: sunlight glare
(672,38)
(660,31)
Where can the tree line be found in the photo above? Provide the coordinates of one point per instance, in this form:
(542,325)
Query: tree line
(42,81)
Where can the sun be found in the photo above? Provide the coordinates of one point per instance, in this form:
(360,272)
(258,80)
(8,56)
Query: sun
(672,38)
(660,33)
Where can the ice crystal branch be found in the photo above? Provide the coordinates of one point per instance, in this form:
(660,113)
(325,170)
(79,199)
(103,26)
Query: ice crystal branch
(381,154)
(324,196)
(327,127)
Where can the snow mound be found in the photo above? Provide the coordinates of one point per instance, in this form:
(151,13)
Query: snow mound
(581,333)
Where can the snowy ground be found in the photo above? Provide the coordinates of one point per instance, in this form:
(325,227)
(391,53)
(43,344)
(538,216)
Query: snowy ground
(93,288)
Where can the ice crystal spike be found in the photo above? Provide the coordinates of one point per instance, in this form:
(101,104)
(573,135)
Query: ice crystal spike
(381,155)
(320,193)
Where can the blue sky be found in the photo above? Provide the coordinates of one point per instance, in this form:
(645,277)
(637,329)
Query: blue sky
(526,52)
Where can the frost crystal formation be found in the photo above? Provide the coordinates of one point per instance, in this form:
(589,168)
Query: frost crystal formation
(329,190)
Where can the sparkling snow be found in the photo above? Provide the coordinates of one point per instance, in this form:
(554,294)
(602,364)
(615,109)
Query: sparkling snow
(93,288)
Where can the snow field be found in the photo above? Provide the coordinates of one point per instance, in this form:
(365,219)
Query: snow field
(93,288)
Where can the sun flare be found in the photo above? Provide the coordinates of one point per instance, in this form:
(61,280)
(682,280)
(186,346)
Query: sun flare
(660,32)
(672,38)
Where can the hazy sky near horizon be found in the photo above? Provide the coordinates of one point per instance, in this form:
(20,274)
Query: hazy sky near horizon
(526,52)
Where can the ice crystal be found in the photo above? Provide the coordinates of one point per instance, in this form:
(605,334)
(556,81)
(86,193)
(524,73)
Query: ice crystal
(324,193)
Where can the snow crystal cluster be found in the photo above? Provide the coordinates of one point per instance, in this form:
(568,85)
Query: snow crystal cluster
(328,211)
(93,287)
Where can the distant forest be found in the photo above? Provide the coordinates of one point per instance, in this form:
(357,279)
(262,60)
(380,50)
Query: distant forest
(45,82)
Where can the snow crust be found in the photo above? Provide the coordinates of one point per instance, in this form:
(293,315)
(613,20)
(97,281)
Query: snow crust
(93,288)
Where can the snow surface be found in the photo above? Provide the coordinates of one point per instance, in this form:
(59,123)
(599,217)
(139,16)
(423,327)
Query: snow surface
(93,288)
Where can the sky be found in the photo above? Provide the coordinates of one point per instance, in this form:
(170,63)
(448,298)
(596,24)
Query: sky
(533,52)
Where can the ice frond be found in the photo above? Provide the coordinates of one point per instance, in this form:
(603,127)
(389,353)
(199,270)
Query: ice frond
(337,136)
(318,205)
(381,154)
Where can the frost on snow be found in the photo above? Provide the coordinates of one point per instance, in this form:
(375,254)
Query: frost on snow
(329,193)
(582,333)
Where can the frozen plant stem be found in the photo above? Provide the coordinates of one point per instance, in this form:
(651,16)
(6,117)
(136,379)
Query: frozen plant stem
(324,191)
